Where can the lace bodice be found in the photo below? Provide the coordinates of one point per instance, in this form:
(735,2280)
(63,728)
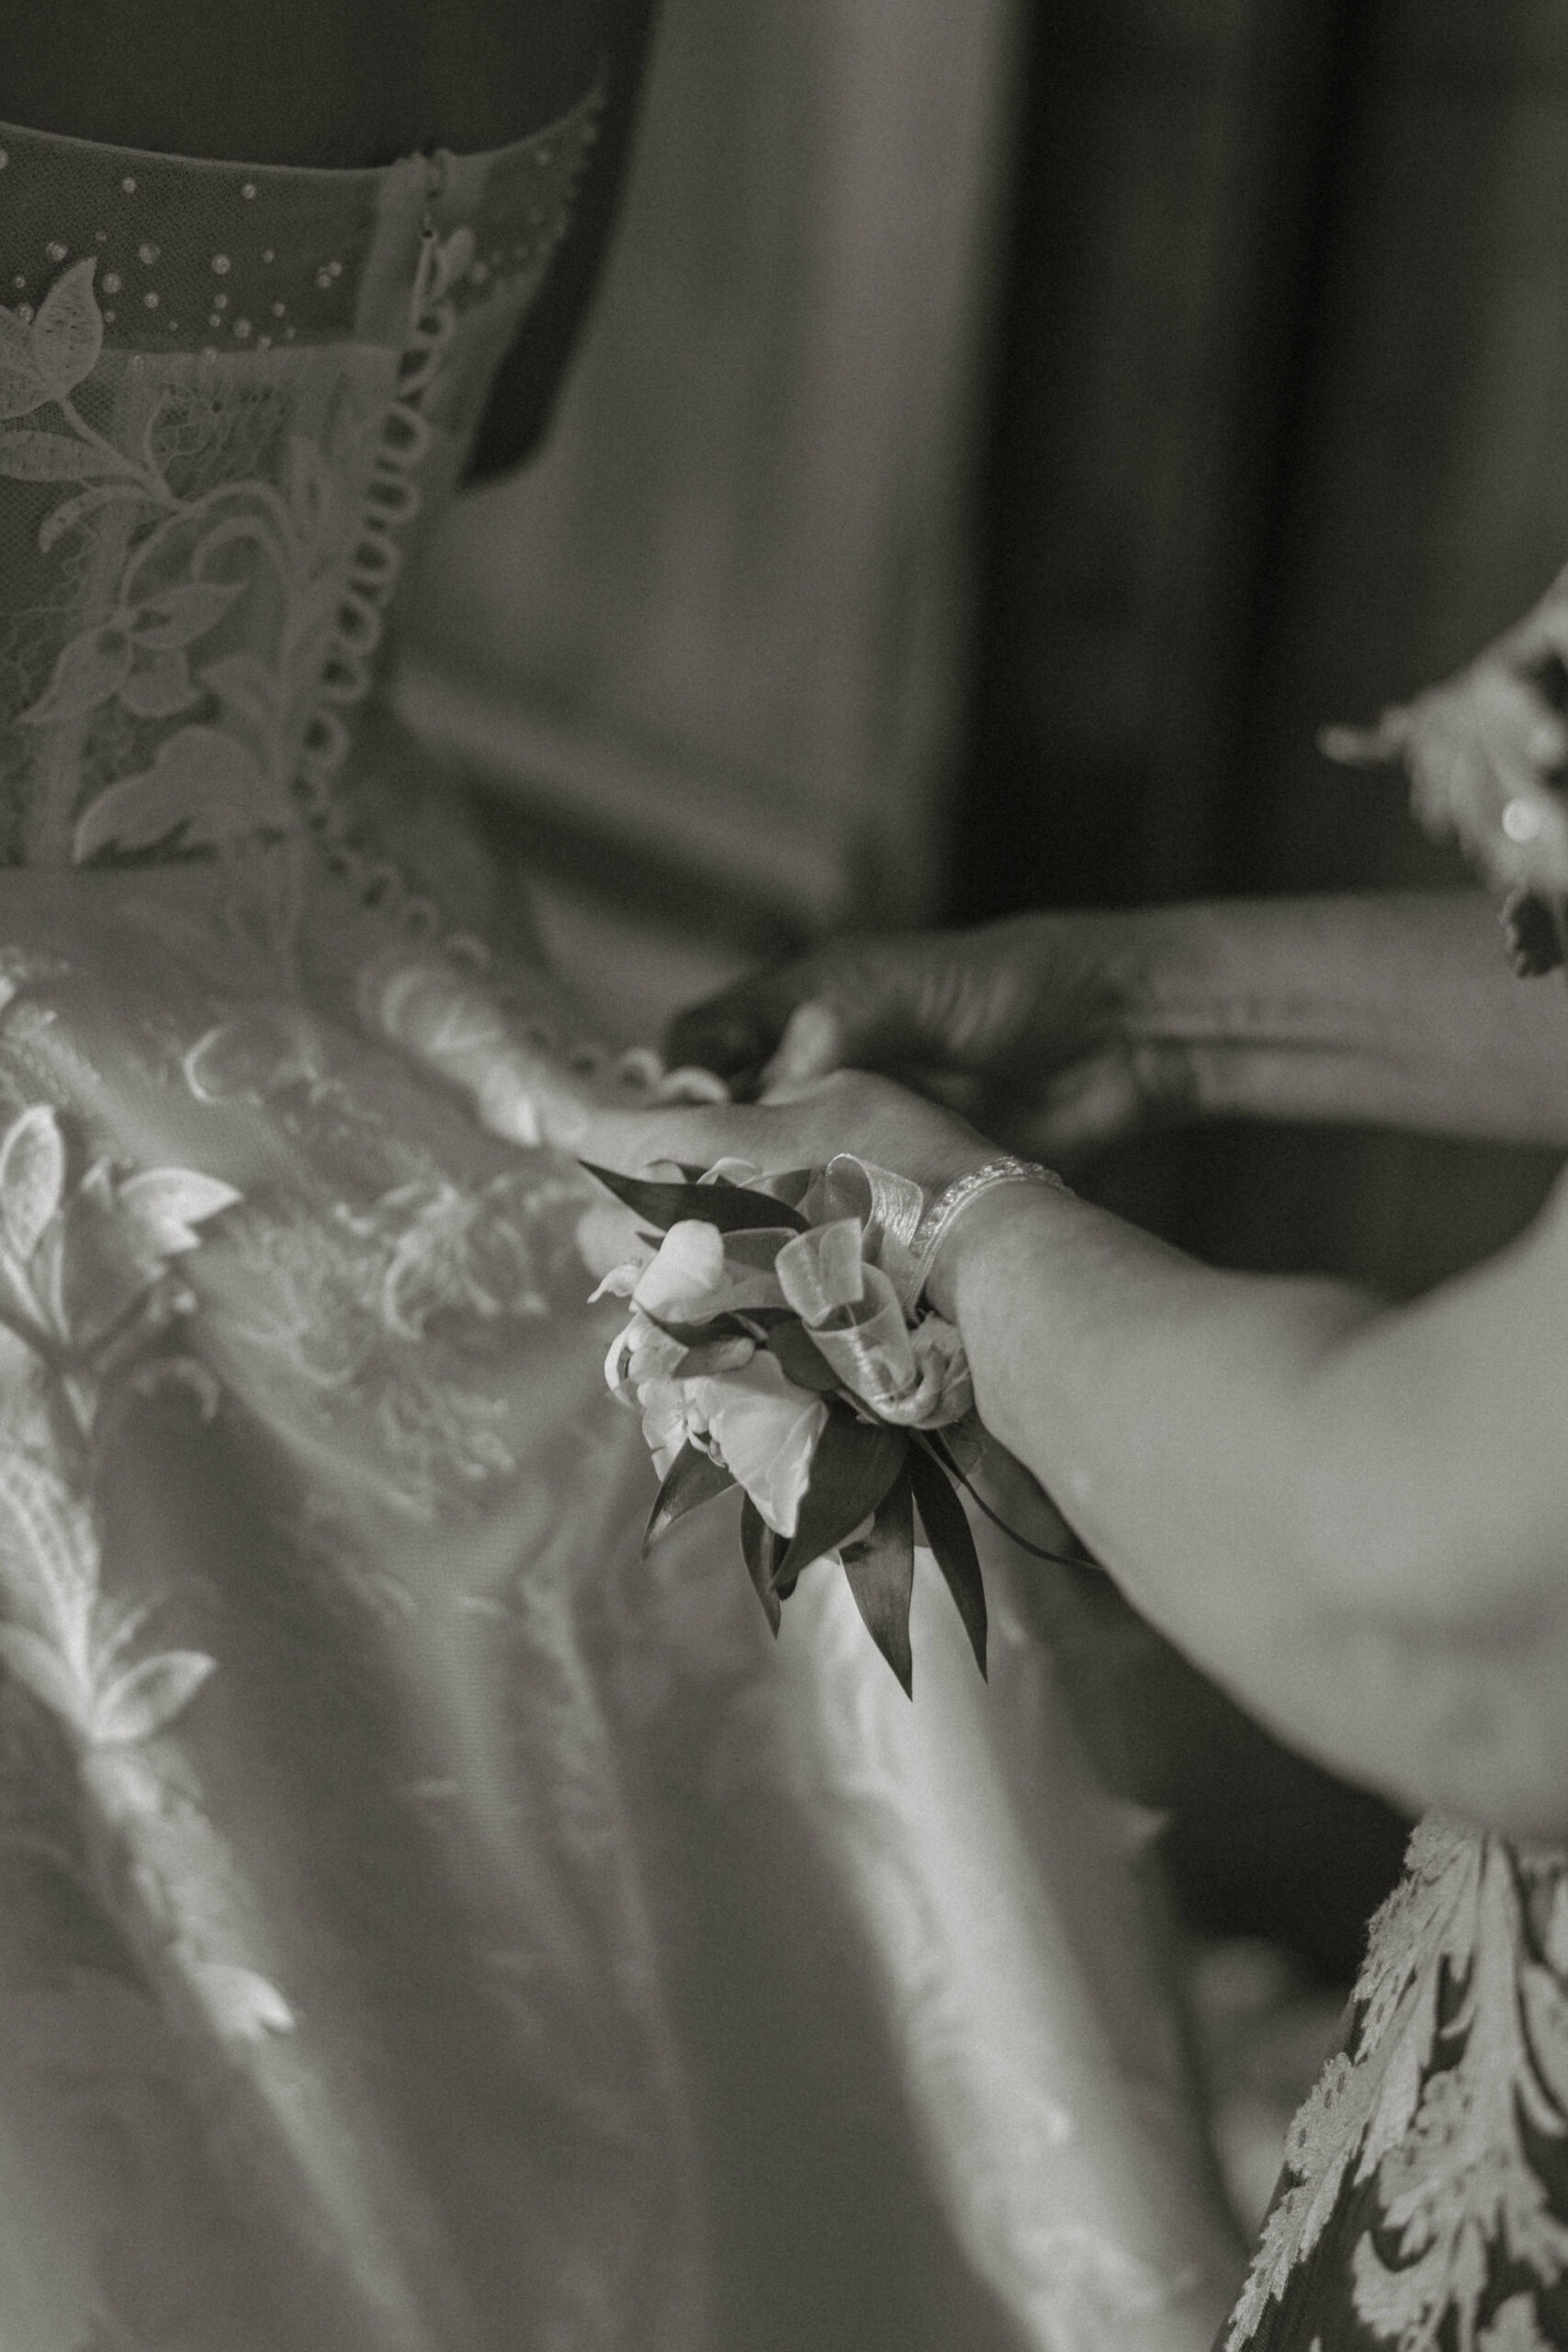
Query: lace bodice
(231,398)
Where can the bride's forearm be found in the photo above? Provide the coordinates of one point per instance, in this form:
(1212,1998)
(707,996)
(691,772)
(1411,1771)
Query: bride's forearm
(1298,1487)
(1397,1010)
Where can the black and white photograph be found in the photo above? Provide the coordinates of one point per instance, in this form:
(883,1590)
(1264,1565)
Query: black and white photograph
(783,1243)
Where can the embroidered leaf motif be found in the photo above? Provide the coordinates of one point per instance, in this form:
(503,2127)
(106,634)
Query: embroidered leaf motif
(71,510)
(182,614)
(68,333)
(20,391)
(46,1673)
(139,1702)
(1432,2104)
(240,2005)
(34,456)
(168,1204)
(203,785)
(48,1568)
(33,1178)
(89,669)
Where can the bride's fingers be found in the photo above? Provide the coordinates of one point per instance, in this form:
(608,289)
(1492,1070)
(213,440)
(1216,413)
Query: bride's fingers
(629,1141)
(802,1086)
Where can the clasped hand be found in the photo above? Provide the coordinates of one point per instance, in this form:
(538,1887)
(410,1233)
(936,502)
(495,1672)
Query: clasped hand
(922,1052)
(1022,1027)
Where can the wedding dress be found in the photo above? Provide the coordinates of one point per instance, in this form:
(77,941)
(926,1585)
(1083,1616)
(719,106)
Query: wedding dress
(426,1926)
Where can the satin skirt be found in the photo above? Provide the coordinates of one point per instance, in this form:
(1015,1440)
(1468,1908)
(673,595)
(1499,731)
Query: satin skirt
(428,1925)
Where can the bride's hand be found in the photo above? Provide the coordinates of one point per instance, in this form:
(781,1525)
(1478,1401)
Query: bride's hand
(451,1024)
(794,1127)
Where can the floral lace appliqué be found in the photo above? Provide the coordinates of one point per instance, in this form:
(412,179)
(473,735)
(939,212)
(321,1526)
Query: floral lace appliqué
(204,517)
(1451,2097)
(225,772)
(86,1295)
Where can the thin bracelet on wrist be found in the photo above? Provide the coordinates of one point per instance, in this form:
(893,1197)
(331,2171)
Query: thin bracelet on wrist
(943,1213)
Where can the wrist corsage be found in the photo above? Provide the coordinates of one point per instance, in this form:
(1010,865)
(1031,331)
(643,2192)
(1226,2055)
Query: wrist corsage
(777,1343)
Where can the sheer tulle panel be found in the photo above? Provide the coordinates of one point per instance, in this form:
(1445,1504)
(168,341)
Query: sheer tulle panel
(225,397)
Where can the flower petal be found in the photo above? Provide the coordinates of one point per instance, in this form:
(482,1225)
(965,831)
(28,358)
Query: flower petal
(743,1172)
(688,1269)
(671,1419)
(651,1354)
(610,1238)
(620,1282)
(766,1432)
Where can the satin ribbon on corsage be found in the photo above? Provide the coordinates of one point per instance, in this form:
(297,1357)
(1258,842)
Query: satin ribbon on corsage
(777,1343)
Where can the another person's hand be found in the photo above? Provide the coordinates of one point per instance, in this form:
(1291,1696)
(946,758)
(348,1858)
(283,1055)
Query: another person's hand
(1026,1027)
(1486,752)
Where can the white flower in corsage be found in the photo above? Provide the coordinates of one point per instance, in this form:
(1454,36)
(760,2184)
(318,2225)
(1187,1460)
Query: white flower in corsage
(769,1348)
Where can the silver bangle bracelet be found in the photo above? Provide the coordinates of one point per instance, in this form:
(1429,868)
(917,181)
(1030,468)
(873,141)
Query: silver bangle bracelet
(943,1213)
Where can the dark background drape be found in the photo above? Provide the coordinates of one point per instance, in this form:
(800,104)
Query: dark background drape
(1279,434)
